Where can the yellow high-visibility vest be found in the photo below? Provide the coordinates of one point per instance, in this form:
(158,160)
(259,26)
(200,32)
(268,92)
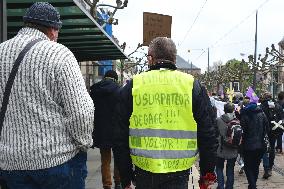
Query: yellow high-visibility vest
(163,132)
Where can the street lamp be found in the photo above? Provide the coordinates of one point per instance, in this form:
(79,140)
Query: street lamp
(190,63)
(207,73)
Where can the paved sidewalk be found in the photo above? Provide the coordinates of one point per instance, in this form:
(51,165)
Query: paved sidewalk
(93,180)
(275,182)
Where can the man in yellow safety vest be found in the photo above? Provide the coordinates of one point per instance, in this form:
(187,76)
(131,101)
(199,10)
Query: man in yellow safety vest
(164,119)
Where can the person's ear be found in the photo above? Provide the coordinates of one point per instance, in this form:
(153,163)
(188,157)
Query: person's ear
(52,34)
(150,60)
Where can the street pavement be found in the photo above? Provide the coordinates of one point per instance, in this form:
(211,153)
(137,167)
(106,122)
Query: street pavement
(93,180)
(276,181)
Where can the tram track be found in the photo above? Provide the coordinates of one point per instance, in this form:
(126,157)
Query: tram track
(278,170)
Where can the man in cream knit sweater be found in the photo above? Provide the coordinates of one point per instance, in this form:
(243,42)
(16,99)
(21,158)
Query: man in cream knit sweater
(49,119)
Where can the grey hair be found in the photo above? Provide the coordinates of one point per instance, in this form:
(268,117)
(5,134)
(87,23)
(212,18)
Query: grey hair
(163,49)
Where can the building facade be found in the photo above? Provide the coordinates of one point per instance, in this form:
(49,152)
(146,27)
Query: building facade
(186,67)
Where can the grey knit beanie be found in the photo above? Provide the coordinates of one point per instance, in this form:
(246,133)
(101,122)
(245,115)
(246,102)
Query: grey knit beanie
(43,13)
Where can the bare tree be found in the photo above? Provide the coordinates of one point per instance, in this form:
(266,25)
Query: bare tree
(94,6)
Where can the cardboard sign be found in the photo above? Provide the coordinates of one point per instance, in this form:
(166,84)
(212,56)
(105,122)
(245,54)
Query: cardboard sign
(155,25)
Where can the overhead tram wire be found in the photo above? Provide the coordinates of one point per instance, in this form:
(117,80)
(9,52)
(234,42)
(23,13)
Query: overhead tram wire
(193,22)
(232,44)
(240,23)
(219,46)
(199,56)
(230,31)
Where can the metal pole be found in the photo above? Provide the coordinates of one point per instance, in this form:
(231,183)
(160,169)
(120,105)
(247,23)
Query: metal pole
(209,84)
(87,77)
(255,54)
(191,68)
(3,21)
(272,82)
(121,72)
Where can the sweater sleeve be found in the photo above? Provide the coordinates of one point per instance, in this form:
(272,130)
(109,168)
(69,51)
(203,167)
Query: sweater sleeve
(207,131)
(77,105)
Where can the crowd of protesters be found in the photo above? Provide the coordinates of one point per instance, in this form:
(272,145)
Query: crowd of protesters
(261,123)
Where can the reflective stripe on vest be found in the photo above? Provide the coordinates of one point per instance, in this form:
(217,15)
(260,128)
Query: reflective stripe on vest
(157,143)
(164,154)
(163,132)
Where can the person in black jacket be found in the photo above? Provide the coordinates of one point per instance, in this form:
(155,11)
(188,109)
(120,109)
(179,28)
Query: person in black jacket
(104,95)
(164,49)
(280,103)
(255,125)
(273,112)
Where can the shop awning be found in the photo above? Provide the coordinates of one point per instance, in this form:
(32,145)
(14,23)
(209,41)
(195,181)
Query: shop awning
(79,32)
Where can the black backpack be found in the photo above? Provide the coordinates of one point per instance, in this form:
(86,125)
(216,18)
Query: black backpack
(234,134)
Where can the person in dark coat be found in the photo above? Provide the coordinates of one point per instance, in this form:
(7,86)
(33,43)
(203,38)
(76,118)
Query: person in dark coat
(281,108)
(254,124)
(273,112)
(104,96)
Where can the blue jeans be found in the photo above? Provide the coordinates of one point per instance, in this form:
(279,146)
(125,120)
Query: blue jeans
(279,142)
(229,173)
(265,161)
(147,180)
(69,175)
(3,184)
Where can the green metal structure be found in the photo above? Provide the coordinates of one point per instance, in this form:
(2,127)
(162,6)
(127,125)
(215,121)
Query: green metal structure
(79,32)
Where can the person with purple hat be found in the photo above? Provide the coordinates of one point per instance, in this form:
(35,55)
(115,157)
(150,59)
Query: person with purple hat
(48,120)
(254,124)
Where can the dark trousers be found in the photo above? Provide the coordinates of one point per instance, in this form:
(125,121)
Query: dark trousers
(147,180)
(3,184)
(272,140)
(279,142)
(229,173)
(69,175)
(252,161)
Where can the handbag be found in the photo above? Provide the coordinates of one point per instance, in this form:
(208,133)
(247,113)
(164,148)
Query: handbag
(7,92)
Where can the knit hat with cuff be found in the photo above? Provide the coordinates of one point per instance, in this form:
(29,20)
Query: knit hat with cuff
(43,13)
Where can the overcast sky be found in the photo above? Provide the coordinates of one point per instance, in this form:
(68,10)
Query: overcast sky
(236,18)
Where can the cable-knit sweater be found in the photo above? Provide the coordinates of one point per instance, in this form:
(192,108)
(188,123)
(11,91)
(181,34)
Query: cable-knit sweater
(50,113)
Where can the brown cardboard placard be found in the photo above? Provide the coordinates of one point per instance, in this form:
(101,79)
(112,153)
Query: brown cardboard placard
(155,25)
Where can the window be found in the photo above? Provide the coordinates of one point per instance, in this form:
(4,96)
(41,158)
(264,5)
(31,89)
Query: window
(236,86)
